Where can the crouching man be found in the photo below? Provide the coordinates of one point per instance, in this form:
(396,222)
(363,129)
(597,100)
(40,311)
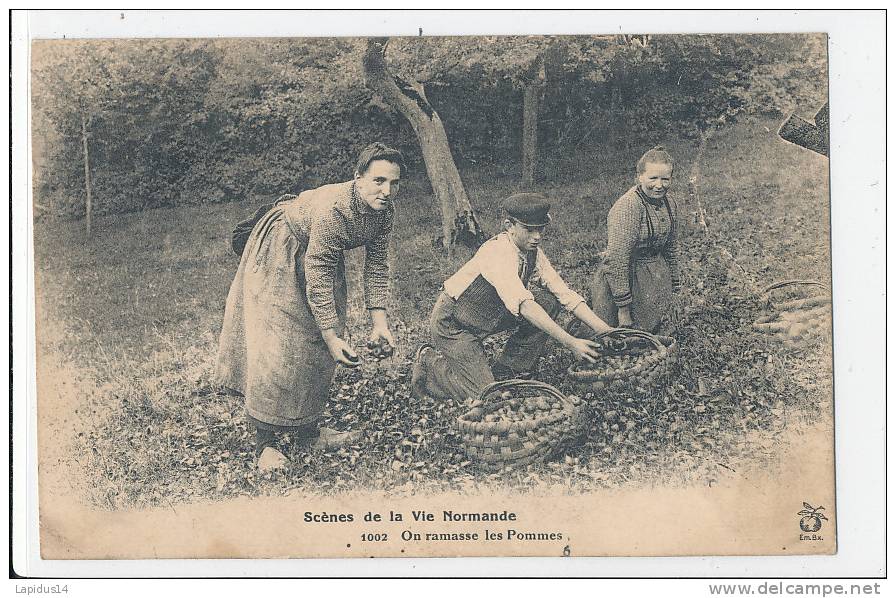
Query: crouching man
(508,284)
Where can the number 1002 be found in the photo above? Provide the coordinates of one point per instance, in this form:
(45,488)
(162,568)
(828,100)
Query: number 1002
(374,537)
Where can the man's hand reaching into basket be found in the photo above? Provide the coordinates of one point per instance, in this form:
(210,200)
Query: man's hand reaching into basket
(583,349)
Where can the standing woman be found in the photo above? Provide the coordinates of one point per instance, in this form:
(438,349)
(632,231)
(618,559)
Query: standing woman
(639,271)
(285,315)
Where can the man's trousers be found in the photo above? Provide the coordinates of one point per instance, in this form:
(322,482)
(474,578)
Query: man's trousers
(461,369)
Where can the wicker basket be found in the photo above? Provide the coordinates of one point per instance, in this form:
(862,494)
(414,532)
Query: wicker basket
(517,422)
(629,359)
(795,321)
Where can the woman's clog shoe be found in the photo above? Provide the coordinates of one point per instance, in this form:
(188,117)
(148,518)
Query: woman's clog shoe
(271,459)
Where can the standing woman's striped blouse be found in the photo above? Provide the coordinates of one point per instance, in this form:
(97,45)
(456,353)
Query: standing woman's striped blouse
(640,226)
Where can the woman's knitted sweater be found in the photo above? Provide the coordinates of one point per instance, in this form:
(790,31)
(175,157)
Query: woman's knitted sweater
(639,227)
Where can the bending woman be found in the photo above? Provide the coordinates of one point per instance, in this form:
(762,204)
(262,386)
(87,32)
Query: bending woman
(285,315)
(639,272)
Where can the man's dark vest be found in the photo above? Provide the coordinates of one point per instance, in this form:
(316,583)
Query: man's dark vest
(479,307)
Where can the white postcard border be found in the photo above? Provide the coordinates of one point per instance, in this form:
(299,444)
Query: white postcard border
(858,184)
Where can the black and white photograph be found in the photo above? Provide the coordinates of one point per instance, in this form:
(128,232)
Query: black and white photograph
(427,295)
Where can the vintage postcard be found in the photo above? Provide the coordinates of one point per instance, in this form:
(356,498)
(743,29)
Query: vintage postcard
(428,296)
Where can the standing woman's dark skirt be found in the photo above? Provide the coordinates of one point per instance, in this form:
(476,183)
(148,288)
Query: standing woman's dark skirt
(271,349)
(651,285)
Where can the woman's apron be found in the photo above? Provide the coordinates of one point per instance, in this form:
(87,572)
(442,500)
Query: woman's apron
(651,285)
(271,349)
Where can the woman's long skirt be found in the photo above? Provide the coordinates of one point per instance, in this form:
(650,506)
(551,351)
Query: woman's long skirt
(271,349)
(651,285)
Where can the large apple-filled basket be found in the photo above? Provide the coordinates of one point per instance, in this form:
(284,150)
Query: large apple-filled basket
(797,311)
(517,422)
(627,358)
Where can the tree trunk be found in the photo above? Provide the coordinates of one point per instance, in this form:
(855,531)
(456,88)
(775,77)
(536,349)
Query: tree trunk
(89,204)
(545,71)
(459,224)
(531,100)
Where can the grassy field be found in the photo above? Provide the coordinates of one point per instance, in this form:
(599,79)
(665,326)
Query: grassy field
(128,323)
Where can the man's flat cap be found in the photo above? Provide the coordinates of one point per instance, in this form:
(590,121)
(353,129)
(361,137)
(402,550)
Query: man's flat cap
(530,209)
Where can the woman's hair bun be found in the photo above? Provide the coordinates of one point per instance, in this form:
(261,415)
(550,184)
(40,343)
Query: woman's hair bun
(655,155)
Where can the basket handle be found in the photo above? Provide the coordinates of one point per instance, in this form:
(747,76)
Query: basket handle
(787,283)
(624,333)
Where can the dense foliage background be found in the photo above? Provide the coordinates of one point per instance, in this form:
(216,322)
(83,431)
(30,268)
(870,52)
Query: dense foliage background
(190,121)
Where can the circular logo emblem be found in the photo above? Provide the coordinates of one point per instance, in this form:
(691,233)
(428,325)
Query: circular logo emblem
(811,518)
(810,523)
